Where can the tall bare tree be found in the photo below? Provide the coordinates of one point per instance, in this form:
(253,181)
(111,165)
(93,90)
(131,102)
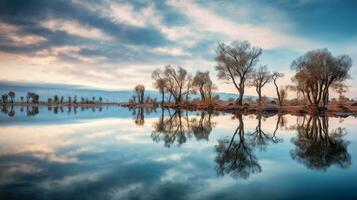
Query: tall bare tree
(236,63)
(260,78)
(275,77)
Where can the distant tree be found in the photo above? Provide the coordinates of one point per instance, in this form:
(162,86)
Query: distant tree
(62,99)
(69,99)
(56,99)
(317,71)
(35,98)
(4,98)
(100,99)
(75,99)
(22,99)
(260,78)
(93,99)
(12,96)
(32,96)
(275,77)
(236,63)
(49,100)
(140,93)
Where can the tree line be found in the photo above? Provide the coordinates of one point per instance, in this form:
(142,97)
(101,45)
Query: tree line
(32,97)
(317,72)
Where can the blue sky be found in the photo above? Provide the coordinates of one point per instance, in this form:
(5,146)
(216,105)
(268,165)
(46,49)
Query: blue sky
(117,44)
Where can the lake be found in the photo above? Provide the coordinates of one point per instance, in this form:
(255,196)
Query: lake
(117,153)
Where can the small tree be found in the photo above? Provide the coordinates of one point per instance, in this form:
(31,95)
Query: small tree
(12,96)
(4,98)
(275,77)
(140,93)
(55,99)
(260,78)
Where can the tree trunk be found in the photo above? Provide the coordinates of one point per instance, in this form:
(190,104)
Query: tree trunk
(162,98)
(240,98)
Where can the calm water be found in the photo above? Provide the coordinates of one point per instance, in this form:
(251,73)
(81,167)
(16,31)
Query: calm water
(115,153)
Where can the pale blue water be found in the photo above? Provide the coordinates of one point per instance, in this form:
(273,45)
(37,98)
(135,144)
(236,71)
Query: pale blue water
(118,154)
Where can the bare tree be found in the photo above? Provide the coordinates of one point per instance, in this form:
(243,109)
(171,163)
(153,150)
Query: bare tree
(159,83)
(260,78)
(140,93)
(275,76)
(203,83)
(317,71)
(236,63)
(177,78)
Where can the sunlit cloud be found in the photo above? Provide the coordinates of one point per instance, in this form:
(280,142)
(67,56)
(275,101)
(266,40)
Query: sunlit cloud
(76,29)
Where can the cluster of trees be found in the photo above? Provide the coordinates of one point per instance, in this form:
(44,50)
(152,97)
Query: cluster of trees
(237,64)
(179,84)
(5,97)
(30,97)
(58,100)
(317,72)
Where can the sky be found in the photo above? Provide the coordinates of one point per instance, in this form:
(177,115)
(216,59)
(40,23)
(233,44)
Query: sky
(115,45)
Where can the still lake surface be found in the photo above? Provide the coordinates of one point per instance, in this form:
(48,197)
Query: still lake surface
(116,153)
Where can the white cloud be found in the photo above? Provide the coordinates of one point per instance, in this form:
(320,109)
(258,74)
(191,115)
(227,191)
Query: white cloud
(171,51)
(76,29)
(208,21)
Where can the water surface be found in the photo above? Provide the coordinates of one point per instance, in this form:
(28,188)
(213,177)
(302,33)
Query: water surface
(116,153)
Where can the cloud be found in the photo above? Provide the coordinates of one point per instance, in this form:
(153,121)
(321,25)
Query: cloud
(212,22)
(76,29)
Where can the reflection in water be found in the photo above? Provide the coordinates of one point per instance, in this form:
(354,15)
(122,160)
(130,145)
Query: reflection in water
(235,156)
(111,158)
(317,148)
(34,110)
(138,114)
(10,112)
(260,139)
(179,125)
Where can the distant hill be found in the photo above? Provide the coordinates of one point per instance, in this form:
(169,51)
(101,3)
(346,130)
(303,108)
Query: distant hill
(49,90)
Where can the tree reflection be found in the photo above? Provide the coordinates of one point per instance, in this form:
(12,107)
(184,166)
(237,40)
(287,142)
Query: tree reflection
(32,111)
(202,127)
(179,126)
(317,148)
(236,156)
(260,139)
(138,114)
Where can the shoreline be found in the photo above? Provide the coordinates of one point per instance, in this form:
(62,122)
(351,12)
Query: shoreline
(337,110)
